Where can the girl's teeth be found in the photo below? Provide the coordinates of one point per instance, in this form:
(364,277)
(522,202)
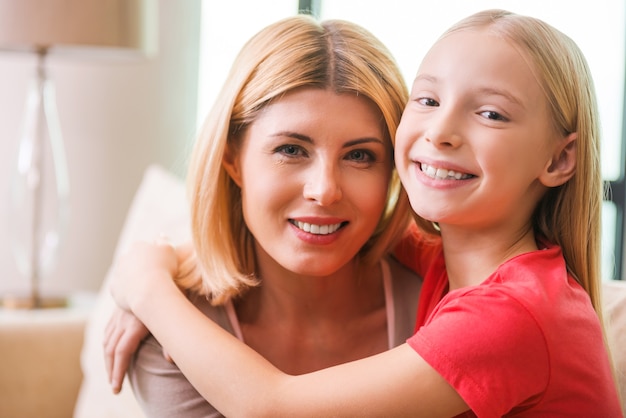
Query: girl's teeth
(317,229)
(442,173)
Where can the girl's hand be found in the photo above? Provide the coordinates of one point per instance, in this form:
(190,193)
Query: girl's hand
(135,273)
(122,337)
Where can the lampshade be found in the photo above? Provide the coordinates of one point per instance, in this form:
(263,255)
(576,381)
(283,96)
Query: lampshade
(40,188)
(78,24)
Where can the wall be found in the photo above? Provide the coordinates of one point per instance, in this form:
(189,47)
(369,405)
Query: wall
(117,118)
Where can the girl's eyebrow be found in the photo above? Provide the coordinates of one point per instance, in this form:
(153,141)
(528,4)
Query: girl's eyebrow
(507,95)
(425,77)
(309,140)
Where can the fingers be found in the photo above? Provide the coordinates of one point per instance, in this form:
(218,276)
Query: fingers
(112,335)
(123,334)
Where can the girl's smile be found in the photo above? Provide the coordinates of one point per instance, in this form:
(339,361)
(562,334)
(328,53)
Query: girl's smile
(442,173)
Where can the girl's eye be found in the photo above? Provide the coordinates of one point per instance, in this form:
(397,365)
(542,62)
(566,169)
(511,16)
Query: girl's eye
(427,101)
(361,156)
(490,114)
(290,150)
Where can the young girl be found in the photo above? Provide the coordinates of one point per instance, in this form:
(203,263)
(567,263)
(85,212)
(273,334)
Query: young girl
(499,146)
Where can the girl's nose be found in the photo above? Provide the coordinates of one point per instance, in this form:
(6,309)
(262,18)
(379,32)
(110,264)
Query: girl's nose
(444,130)
(323,185)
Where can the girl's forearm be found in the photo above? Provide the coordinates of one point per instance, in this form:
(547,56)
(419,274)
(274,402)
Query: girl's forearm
(219,366)
(240,382)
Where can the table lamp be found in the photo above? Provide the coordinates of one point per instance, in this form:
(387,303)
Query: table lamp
(40,187)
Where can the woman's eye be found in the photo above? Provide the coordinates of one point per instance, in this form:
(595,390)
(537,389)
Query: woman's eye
(290,150)
(427,101)
(490,114)
(361,156)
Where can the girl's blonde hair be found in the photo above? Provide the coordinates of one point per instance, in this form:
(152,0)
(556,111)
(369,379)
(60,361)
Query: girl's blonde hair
(292,53)
(568,215)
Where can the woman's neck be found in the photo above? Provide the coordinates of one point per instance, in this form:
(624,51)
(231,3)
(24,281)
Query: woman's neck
(347,292)
(303,323)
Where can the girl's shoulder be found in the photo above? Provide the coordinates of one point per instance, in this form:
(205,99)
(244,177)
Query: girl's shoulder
(402,294)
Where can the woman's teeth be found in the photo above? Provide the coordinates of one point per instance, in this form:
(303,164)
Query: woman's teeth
(442,173)
(317,229)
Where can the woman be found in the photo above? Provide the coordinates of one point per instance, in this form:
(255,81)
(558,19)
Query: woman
(295,203)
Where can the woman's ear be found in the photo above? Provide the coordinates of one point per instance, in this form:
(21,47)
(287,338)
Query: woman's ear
(562,165)
(230,161)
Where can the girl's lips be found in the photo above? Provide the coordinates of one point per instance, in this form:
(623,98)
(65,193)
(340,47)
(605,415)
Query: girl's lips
(442,173)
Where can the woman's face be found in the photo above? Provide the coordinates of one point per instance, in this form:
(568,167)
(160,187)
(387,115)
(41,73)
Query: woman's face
(314,170)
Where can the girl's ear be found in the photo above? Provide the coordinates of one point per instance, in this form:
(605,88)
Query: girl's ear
(230,161)
(562,165)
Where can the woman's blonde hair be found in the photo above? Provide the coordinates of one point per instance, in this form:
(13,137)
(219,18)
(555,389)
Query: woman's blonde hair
(568,215)
(292,53)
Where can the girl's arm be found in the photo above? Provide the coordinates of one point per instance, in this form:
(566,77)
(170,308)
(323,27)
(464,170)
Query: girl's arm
(240,382)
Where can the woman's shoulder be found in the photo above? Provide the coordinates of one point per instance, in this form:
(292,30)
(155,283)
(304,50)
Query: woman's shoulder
(158,384)
(402,276)
(217,313)
(405,287)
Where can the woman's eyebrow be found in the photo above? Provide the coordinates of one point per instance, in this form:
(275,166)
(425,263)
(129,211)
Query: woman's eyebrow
(295,135)
(364,140)
(307,139)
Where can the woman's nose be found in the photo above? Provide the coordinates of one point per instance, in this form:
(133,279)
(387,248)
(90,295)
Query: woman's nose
(323,184)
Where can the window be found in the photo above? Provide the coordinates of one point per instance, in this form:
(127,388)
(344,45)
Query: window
(408,28)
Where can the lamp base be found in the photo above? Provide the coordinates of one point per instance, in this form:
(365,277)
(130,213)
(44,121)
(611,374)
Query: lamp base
(28,302)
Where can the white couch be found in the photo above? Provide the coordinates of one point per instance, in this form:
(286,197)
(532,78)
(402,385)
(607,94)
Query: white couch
(40,373)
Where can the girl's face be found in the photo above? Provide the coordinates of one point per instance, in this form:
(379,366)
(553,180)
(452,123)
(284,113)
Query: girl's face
(314,170)
(476,134)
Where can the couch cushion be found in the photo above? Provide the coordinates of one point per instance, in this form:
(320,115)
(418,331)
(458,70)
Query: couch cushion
(614,302)
(159,207)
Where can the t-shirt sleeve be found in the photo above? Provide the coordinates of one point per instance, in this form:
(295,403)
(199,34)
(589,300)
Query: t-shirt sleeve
(488,347)
(416,250)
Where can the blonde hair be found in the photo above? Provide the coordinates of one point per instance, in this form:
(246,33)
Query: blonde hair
(292,53)
(568,215)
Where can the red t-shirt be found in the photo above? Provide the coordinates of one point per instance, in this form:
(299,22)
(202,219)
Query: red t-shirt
(525,342)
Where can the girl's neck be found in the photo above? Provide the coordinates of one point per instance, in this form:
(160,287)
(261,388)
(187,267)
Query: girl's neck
(473,256)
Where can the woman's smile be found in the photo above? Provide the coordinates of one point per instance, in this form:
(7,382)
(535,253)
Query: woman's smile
(317,229)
